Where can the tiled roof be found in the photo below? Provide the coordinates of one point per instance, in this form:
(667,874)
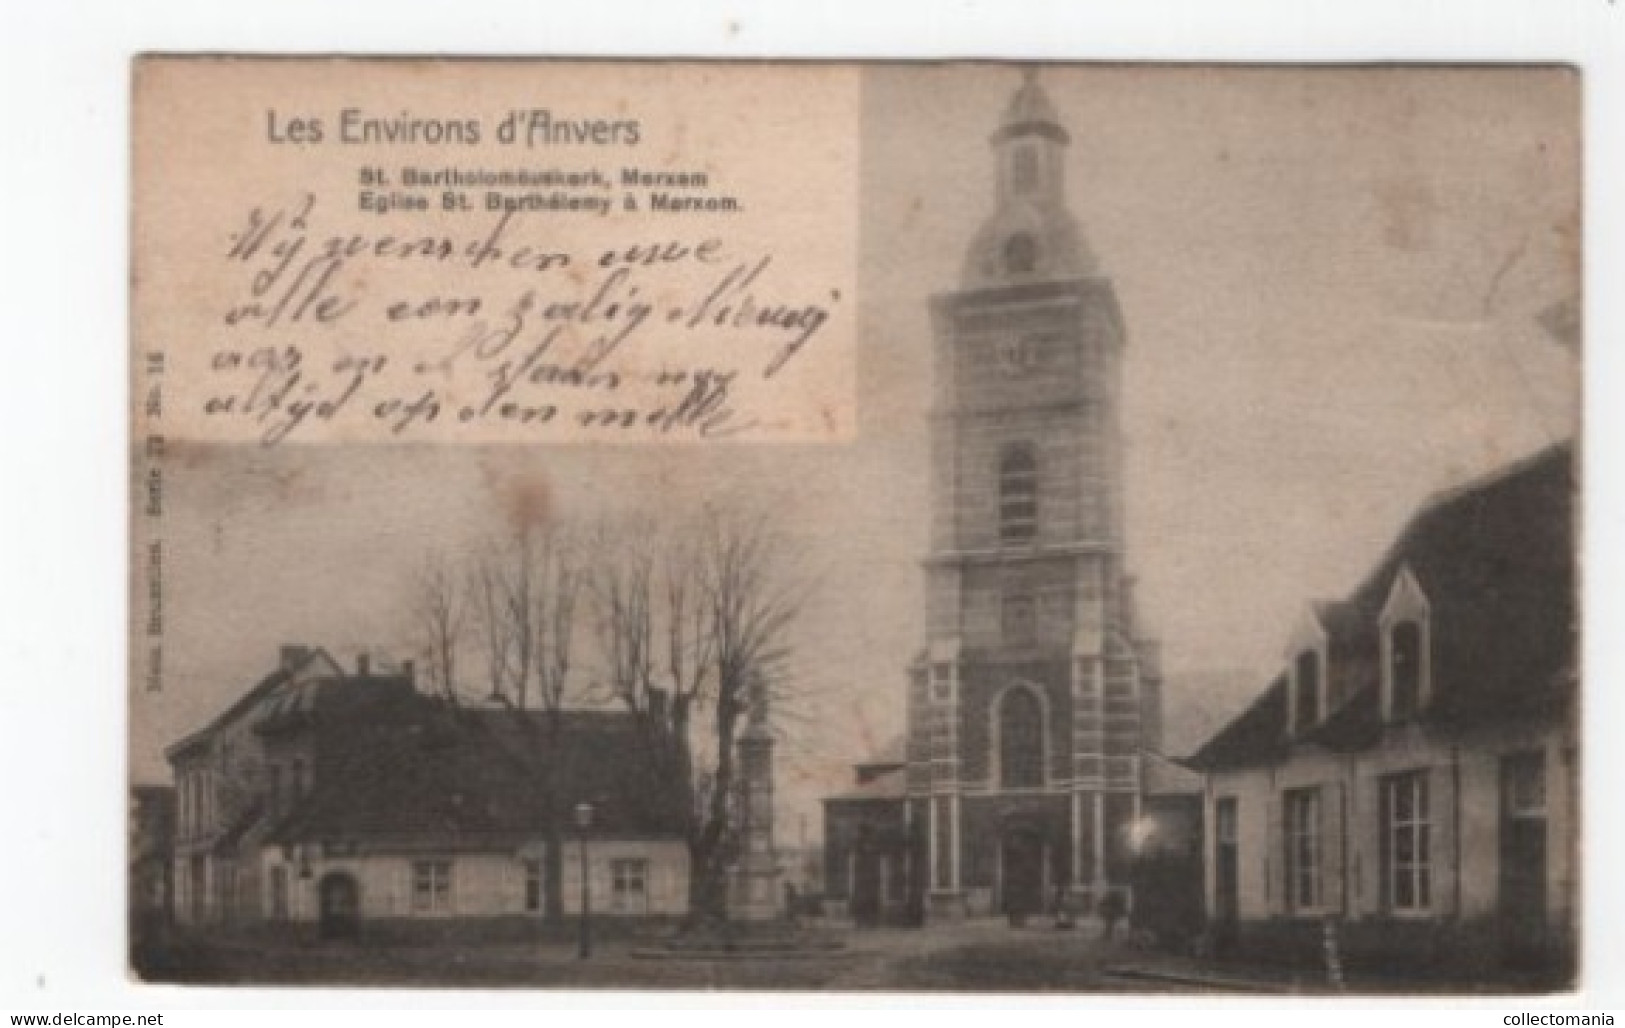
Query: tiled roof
(1496,561)
(1255,736)
(400,765)
(266,691)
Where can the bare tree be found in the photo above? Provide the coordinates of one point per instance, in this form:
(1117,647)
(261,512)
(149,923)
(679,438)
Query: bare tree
(750,602)
(526,587)
(688,618)
(517,579)
(687,622)
(485,585)
(559,575)
(440,610)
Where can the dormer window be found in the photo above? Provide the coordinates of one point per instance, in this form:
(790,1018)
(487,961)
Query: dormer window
(1307,675)
(1018,495)
(1306,679)
(1406,663)
(1405,669)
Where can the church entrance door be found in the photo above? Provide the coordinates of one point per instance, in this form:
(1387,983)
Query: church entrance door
(1023,862)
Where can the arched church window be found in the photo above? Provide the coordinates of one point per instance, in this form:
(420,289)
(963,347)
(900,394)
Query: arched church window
(1021,739)
(1018,495)
(1405,665)
(1020,254)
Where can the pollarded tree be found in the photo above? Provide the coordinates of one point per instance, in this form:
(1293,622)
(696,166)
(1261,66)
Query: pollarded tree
(688,621)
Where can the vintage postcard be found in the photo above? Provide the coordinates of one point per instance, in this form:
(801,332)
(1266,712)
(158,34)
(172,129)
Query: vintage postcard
(838,526)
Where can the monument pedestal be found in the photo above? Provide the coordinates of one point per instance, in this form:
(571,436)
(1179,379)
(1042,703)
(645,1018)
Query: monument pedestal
(754,894)
(756,925)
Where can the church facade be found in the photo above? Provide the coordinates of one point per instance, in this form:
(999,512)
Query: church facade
(1034,692)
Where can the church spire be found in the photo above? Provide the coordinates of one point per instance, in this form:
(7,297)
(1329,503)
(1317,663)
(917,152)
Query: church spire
(1030,112)
(1031,236)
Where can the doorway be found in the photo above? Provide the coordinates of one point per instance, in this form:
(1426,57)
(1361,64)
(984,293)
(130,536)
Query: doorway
(1225,874)
(1522,879)
(341,906)
(1022,859)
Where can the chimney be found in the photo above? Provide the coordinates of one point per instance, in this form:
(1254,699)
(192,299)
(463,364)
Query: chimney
(363,665)
(291,656)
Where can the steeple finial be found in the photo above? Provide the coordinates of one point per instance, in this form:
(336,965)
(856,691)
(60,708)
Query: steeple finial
(1030,235)
(1030,111)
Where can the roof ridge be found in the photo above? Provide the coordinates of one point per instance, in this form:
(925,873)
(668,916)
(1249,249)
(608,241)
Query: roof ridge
(1442,499)
(1484,480)
(1460,535)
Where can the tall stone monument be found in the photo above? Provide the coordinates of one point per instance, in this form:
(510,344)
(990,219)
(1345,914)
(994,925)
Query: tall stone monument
(756,895)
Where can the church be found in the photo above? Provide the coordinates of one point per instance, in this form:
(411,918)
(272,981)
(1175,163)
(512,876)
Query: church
(1019,785)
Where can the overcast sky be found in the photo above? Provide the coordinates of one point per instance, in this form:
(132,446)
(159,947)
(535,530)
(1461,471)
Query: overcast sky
(1330,281)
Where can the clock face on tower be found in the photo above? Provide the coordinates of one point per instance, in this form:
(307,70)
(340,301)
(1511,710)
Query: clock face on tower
(1020,254)
(1018,355)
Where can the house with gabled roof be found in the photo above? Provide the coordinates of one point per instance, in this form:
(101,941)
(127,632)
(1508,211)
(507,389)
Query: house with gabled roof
(1405,793)
(348,803)
(227,780)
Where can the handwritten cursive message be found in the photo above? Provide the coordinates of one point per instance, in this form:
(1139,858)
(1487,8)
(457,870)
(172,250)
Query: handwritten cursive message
(484,268)
(655,338)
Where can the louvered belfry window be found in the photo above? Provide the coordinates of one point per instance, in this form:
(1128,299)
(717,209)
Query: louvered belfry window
(1018,495)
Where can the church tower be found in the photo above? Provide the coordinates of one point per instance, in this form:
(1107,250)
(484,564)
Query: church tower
(1034,693)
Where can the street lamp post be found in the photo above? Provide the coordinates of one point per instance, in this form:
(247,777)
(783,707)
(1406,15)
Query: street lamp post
(584,822)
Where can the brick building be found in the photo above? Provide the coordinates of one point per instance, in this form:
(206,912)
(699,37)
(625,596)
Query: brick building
(1035,691)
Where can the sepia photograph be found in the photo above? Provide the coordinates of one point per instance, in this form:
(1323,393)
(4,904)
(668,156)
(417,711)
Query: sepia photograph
(935,527)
